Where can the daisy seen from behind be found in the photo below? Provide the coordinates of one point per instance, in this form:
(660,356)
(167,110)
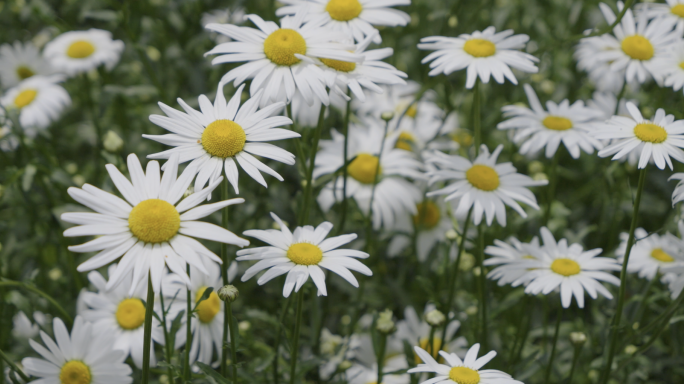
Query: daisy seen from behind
(222,135)
(355,18)
(83,357)
(39,100)
(536,128)
(152,228)
(20,61)
(588,55)
(466,371)
(511,258)
(485,54)
(483,185)
(76,52)
(657,139)
(301,254)
(415,330)
(651,253)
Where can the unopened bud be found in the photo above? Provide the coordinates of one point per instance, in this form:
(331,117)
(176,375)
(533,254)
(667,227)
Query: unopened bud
(578,338)
(244,326)
(451,234)
(471,311)
(385,324)
(435,318)
(112,142)
(387,115)
(630,349)
(228,293)
(346,364)
(467,262)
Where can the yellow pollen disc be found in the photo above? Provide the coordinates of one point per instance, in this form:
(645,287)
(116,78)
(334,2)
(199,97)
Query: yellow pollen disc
(464,375)
(479,48)
(412,111)
(24,72)
(339,65)
(650,132)
(434,351)
(209,308)
(557,123)
(678,10)
(280,46)
(80,49)
(223,138)
(681,65)
(405,141)
(130,314)
(428,215)
(483,177)
(462,137)
(363,168)
(344,10)
(25,98)
(74,372)
(304,254)
(154,221)
(637,47)
(565,267)
(661,255)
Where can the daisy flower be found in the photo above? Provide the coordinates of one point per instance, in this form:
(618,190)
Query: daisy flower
(25,328)
(483,184)
(20,61)
(571,269)
(39,101)
(76,52)
(360,373)
(537,128)
(355,18)
(659,139)
(394,195)
(274,56)
(466,371)
(672,66)
(233,15)
(606,103)
(220,134)
(431,223)
(302,254)
(650,253)
(80,358)
(416,330)
(151,229)
(673,10)
(511,258)
(484,54)
(588,55)
(678,193)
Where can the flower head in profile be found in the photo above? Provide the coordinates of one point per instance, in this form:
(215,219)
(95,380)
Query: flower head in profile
(414,328)
(301,254)
(485,54)
(222,135)
(588,55)
(651,253)
(20,61)
(76,52)
(39,100)
(512,259)
(151,227)
(482,184)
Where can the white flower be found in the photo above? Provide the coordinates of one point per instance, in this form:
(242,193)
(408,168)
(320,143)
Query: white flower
(569,268)
(678,193)
(23,327)
(650,253)
(365,373)
(466,371)
(233,15)
(84,357)
(431,223)
(484,54)
(660,138)
(512,259)
(415,330)
(8,140)
(673,10)
(483,184)
(670,65)
(355,18)
(39,100)
(76,52)
(274,56)
(394,195)
(606,103)
(537,128)
(151,229)
(221,133)
(20,61)
(588,55)
(302,254)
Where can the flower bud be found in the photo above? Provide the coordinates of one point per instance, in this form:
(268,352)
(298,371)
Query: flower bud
(346,364)
(385,324)
(228,293)
(435,318)
(112,142)
(578,338)
(387,115)
(630,349)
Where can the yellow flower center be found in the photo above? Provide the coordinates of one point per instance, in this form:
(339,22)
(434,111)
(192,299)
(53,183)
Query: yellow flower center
(479,48)
(483,177)
(557,123)
(339,65)
(130,314)
(24,72)
(223,138)
(280,46)
(678,10)
(344,10)
(405,141)
(74,372)
(661,255)
(363,168)
(565,267)
(412,111)
(428,215)
(154,221)
(681,65)
(25,98)
(462,137)
(209,308)
(80,49)
(637,47)
(434,350)
(304,254)
(464,375)
(650,132)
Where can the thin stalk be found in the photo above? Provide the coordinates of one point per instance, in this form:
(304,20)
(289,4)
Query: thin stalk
(297,142)
(167,342)
(380,357)
(224,275)
(64,314)
(575,358)
(369,230)
(553,179)
(547,375)
(639,310)
(188,332)
(295,336)
(619,97)
(623,282)
(345,155)
(482,286)
(147,340)
(279,332)
(477,125)
(523,338)
(233,341)
(545,324)
(608,28)
(308,189)
(13,367)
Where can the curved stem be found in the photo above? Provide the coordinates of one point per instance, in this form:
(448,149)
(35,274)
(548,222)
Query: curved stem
(279,332)
(147,340)
(308,189)
(345,132)
(224,275)
(610,27)
(188,332)
(295,337)
(575,358)
(482,286)
(233,341)
(12,283)
(553,346)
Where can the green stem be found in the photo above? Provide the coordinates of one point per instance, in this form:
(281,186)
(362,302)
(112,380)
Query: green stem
(369,223)
(279,332)
(639,310)
(553,178)
(224,275)
(623,282)
(523,331)
(167,341)
(188,332)
(608,28)
(575,358)
(380,357)
(233,341)
(147,340)
(295,337)
(619,97)
(477,126)
(482,286)
(297,143)
(308,190)
(547,374)
(345,132)
(30,287)
(13,367)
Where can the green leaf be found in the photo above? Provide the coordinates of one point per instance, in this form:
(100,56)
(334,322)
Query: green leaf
(209,371)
